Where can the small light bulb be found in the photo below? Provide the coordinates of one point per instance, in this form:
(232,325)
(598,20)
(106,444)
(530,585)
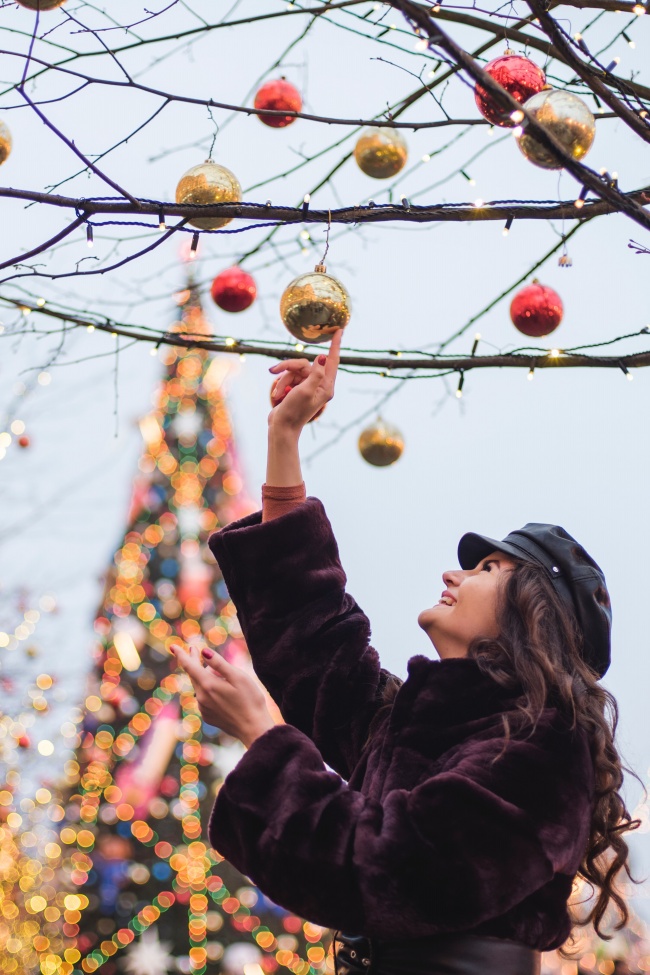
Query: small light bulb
(422,44)
(629,376)
(304,234)
(553,353)
(531,375)
(638,9)
(153,351)
(230,341)
(517,115)
(518,131)
(459,394)
(479,203)
(40,302)
(426,157)
(477,337)
(578,204)
(299,347)
(306,198)
(505,231)
(242,357)
(90,328)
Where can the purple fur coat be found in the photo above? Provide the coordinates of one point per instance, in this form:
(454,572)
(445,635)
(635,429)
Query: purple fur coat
(431,826)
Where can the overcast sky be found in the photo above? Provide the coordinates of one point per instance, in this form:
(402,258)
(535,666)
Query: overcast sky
(568,448)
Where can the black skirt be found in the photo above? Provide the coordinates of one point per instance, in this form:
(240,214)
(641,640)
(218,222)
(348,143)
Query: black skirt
(454,954)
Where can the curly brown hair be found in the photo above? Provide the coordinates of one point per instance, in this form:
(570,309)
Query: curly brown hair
(540,650)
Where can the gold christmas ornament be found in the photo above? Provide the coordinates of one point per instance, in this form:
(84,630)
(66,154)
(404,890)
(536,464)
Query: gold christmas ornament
(381,444)
(41,4)
(314,306)
(381,152)
(6,142)
(208,183)
(567,118)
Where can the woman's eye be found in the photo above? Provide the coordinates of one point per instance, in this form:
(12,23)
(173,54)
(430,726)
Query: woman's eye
(486,566)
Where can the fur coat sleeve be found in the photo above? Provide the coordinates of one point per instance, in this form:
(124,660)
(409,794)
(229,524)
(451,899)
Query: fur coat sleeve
(467,844)
(308,639)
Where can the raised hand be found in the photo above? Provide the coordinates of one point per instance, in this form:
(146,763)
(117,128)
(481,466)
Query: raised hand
(302,388)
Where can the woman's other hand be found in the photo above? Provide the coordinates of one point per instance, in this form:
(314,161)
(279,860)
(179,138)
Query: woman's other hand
(228,697)
(302,388)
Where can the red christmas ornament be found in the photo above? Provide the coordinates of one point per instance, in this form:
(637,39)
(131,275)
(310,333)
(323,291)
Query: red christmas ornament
(23,441)
(519,76)
(233,289)
(279,96)
(24,741)
(536,310)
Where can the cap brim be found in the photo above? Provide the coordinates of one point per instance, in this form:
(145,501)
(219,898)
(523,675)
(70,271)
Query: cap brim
(472,548)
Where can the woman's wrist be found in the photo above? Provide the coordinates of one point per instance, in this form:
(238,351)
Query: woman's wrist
(257,730)
(281,430)
(283,464)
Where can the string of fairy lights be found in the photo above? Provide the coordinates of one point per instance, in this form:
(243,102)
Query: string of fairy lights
(288,98)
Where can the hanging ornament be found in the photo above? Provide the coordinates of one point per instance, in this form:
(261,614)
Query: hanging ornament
(233,289)
(6,142)
(207,183)
(277,395)
(381,152)
(381,444)
(536,310)
(520,77)
(23,441)
(41,4)
(314,306)
(279,96)
(567,118)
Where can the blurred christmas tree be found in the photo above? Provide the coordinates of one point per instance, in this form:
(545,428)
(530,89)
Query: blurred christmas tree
(146,894)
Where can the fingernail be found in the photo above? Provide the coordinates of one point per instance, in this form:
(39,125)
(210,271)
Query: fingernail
(322,359)
(207,653)
(172,650)
(287,389)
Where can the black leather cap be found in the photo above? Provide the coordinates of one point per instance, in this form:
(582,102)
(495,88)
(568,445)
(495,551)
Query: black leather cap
(577,579)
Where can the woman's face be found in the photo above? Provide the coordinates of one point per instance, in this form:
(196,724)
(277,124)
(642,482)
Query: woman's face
(467,608)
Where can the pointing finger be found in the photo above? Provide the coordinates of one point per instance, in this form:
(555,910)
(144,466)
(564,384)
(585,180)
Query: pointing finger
(334,354)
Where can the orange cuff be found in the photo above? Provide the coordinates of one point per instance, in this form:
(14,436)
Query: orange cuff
(277,501)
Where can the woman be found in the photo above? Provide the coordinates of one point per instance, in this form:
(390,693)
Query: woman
(464,802)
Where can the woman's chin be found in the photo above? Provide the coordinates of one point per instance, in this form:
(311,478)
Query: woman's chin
(427,617)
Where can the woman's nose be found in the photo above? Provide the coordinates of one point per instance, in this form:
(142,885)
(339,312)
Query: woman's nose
(452,577)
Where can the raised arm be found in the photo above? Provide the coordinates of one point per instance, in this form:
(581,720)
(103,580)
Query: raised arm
(308,639)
